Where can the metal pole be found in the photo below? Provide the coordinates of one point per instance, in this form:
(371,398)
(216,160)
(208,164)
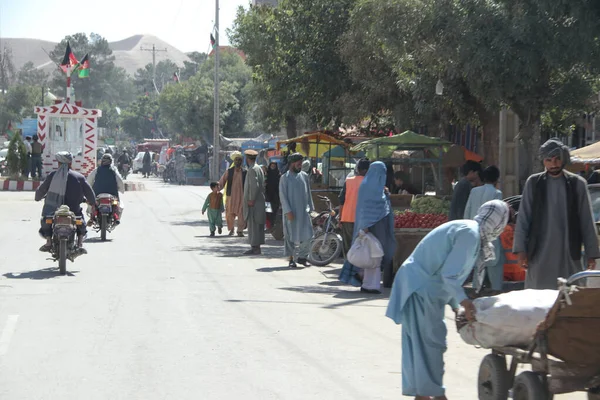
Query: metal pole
(154,64)
(216,124)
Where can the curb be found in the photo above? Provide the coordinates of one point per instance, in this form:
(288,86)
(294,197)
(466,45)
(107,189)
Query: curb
(8,185)
(134,186)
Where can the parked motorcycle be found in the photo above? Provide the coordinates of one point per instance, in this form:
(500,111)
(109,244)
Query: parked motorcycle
(105,216)
(64,236)
(326,243)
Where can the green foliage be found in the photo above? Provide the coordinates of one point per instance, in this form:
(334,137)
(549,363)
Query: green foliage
(31,76)
(16,157)
(106,82)
(7,68)
(430,205)
(164,75)
(139,119)
(18,103)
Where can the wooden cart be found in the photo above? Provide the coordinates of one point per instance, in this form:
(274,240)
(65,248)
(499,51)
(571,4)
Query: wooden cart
(564,356)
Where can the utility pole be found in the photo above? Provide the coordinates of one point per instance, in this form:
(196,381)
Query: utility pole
(216,125)
(153,50)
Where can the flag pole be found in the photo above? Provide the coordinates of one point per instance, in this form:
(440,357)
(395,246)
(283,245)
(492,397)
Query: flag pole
(68,96)
(216,124)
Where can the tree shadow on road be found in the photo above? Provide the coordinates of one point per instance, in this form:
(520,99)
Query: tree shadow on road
(342,291)
(282,268)
(97,240)
(201,222)
(45,273)
(225,249)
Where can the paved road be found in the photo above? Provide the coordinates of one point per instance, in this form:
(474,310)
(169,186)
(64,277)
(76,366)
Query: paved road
(162,311)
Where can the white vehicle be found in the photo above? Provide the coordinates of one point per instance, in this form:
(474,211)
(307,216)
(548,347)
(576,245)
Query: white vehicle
(138,161)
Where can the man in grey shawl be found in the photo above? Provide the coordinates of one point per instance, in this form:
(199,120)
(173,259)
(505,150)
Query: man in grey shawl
(296,204)
(254,203)
(64,187)
(555,219)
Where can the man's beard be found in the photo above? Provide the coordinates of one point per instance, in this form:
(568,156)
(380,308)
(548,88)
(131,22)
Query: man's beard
(296,170)
(555,171)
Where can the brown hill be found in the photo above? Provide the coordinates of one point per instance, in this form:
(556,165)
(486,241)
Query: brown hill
(127,52)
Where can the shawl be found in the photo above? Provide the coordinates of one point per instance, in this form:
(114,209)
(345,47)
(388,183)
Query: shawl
(58,186)
(492,218)
(373,203)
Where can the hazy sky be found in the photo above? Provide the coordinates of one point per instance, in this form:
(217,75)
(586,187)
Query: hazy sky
(185,24)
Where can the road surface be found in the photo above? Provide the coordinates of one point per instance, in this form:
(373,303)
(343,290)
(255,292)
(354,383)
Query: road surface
(162,311)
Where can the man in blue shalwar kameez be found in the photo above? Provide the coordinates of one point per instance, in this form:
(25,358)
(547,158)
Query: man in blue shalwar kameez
(431,278)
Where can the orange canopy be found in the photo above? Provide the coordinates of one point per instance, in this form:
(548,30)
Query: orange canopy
(472,156)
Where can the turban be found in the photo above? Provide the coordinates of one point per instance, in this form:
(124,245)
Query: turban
(64,157)
(306,166)
(295,157)
(555,148)
(492,218)
(107,159)
(234,155)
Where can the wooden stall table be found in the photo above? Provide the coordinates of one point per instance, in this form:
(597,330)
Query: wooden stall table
(407,240)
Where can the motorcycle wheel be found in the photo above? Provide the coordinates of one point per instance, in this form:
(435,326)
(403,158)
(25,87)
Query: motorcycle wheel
(324,249)
(62,256)
(103,225)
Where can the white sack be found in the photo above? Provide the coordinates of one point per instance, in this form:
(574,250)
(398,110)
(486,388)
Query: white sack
(366,251)
(509,319)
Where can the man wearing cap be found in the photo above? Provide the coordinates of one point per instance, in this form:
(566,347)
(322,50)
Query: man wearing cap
(234,177)
(254,203)
(64,187)
(296,204)
(555,219)
(348,198)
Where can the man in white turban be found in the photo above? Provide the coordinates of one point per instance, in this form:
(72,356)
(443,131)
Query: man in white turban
(64,187)
(234,177)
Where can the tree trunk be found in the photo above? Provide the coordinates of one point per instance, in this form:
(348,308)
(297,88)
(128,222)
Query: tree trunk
(290,127)
(530,139)
(490,123)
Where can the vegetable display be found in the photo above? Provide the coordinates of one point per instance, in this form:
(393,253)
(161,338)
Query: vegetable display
(430,205)
(417,220)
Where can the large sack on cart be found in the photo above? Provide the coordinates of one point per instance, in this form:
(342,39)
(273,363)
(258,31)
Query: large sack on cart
(508,319)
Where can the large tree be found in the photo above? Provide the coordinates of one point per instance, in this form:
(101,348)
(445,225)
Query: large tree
(294,52)
(7,68)
(165,70)
(17,103)
(29,75)
(106,82)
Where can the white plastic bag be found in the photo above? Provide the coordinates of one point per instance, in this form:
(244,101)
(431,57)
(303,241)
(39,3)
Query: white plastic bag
(509,319)
(366,251)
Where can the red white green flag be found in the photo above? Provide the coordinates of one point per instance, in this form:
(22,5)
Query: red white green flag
(69,60)
(84,67)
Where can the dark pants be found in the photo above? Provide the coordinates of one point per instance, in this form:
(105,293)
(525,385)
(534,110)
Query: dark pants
(36,165)
(347,233)
(27,169)
(146,170)
(46,229)
(274,208)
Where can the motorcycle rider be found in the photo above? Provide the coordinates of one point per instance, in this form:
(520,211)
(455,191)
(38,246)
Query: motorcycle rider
(64,187)
(123,159)
(106,179)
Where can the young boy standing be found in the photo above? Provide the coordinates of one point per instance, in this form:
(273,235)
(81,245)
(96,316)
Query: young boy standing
(214,204)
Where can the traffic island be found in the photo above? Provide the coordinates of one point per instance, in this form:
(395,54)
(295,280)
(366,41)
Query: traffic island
(134,186)
(13,185)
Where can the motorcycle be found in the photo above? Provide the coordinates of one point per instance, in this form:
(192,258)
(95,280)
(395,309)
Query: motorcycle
(326,243)
(124,170)
(64,236)
(105,218)
(169,173)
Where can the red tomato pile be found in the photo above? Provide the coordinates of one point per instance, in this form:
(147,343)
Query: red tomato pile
(414,220)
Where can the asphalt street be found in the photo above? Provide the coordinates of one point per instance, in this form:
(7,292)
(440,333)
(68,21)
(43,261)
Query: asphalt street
(163,311)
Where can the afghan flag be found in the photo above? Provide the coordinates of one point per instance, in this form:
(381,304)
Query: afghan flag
(212,40)
(84,67)
(69,60)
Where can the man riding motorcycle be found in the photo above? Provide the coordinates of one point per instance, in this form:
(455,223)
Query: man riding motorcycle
(106,179)
(64,187)
(124,158)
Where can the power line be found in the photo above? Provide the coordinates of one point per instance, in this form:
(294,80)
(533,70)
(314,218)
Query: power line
(154,50)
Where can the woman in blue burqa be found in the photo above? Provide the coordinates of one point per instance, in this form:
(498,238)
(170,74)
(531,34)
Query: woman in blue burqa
(373,214)
(431,278)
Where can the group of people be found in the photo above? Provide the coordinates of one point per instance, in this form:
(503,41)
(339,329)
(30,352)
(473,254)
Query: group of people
(554,222)
(67,187)
(33,150)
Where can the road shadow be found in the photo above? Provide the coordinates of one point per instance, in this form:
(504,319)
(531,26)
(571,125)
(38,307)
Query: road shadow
(97,240)
(278,269)
(233,247)
(201,222)
(45,273)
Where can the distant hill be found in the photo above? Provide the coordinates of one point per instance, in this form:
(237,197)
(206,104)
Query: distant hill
(127,52)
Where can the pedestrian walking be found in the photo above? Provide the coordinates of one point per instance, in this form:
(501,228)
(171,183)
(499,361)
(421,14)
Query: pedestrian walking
(36,158)
(146,164)
(214,205)
(348,198)
(180,161)
(479,196)
(254,203)
(555,219)
(272,191)
(432,277)
(462,189)
(373,214)
(297,204)
(27,169)
(233,182)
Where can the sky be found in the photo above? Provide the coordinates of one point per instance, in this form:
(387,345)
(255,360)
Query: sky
(185,24)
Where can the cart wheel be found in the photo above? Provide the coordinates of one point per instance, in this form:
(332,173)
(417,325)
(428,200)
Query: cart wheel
(529,386)
(493,382)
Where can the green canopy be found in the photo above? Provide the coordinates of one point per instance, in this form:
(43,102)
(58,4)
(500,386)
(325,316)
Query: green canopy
(384,147)
(342,153)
